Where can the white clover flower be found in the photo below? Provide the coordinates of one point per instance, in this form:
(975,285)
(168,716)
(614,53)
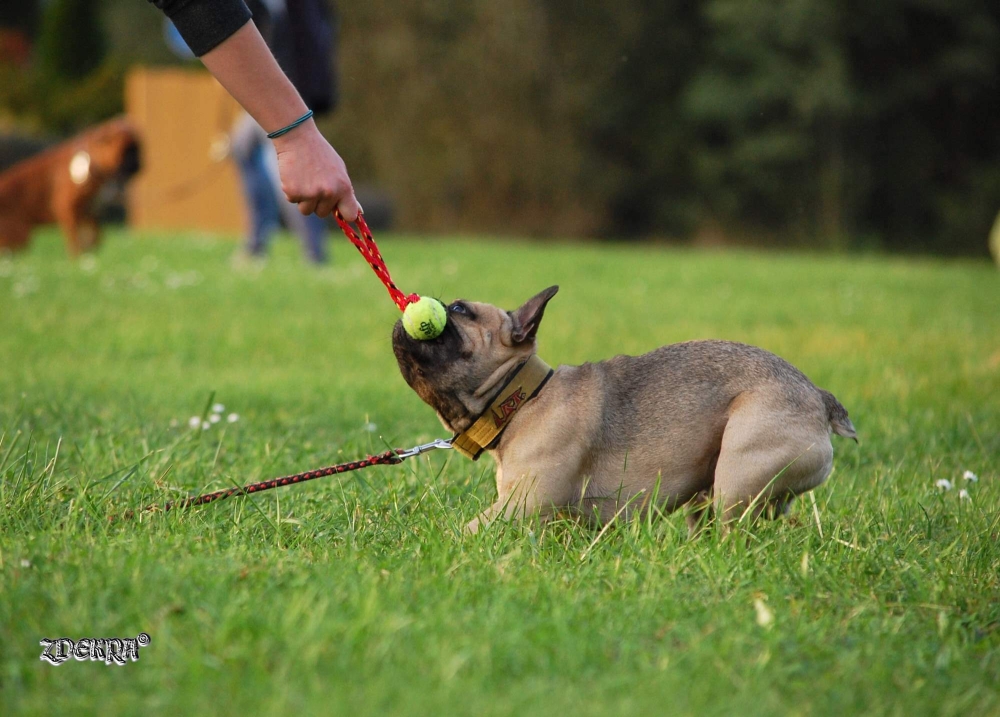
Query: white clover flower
(964,495)
(233,417)
(25,287)
(970,476)
(218,408)
(765,618)
(205,425)
(371,427)
(194,421)
(25,563)
(174,281)
(944,484)
(214,418)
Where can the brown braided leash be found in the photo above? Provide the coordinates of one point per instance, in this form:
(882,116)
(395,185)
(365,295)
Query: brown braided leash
(389,458)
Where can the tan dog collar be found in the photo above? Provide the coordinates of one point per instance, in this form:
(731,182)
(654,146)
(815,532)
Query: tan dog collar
(523,385)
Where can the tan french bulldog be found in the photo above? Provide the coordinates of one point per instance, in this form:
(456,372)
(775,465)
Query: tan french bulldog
(671,427)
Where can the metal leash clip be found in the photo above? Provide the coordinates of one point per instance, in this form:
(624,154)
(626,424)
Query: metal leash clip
(425,448)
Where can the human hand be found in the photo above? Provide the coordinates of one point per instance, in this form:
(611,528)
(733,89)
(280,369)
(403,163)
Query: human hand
(313,175)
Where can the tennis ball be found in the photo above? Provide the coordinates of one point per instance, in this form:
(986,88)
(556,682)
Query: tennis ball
(425,319)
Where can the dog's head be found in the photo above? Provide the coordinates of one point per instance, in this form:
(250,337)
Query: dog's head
(457,373)
(113,149)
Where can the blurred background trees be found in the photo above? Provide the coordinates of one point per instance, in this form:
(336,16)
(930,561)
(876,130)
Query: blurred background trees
(69,81)
(826,123)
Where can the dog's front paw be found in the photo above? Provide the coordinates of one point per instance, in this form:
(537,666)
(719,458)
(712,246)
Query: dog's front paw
(483,520)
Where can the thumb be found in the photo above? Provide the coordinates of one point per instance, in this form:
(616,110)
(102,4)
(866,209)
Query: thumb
(348,207)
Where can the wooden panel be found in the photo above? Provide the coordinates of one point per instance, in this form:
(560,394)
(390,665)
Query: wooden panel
(179,114)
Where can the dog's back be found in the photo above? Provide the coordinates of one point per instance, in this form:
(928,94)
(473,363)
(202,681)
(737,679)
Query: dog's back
(693,378)
(26,188)
(707,415)
(25,200)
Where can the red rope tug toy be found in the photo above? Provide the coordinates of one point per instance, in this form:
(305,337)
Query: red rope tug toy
(369,250)
(424,318)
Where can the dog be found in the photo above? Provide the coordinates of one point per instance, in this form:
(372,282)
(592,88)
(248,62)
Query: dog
(60,185)
(709,424)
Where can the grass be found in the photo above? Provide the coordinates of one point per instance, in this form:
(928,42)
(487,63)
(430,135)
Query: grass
(360,595)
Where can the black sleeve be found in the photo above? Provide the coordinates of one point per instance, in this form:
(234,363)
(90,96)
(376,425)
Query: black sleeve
(205,23)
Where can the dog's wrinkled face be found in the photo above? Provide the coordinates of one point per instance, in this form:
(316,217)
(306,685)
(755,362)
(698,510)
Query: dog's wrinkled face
(458,372)
(114,149)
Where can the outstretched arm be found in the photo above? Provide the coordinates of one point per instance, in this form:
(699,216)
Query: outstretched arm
(312,173)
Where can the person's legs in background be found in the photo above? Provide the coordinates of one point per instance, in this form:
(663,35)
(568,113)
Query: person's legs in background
(263,209)
(313,238)
(248,148)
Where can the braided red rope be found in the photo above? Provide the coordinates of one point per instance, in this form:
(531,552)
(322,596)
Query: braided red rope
(389,458)
(369,250)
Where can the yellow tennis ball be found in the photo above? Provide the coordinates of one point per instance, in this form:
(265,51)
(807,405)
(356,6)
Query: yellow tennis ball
(425,319)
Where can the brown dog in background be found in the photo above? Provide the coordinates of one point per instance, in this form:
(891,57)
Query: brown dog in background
(608,439)
(60,184)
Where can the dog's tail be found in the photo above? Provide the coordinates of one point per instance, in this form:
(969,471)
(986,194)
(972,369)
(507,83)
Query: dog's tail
(837,416)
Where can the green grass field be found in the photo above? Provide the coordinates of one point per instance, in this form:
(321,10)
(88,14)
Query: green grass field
(360,595)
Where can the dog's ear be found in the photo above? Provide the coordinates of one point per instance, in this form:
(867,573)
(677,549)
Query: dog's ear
(527,318)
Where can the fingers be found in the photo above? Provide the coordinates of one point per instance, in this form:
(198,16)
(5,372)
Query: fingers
(308,206)
(326,205)
(326,201)
(323,199)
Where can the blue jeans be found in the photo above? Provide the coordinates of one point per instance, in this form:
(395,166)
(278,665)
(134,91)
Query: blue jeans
(262,196)
(265,217)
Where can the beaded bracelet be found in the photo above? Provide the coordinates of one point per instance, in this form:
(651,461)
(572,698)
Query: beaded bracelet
(285,130)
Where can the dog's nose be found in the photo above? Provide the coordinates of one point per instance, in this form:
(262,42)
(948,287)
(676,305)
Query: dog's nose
(131,161)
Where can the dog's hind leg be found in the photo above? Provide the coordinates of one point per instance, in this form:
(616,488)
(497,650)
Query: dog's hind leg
(772,450)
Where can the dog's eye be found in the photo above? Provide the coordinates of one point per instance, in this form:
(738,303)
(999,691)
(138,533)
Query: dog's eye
(457,308)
